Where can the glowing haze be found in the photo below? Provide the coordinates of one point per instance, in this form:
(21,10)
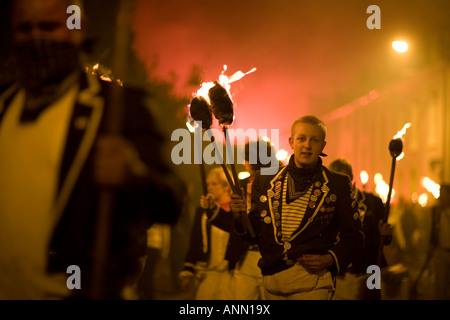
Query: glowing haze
(311,56)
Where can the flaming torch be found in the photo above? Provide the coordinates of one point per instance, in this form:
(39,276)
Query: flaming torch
(216,98)
(113,123)
(396,149)
(200,112)
(222,108)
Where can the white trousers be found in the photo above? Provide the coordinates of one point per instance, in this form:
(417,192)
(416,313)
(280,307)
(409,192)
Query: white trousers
(214,285)
(247,279)
(296,283)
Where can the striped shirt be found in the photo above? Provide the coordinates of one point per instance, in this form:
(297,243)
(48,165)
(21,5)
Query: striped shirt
(292,213)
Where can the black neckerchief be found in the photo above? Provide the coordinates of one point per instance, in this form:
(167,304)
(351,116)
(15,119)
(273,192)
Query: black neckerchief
(300,179)
(35,105)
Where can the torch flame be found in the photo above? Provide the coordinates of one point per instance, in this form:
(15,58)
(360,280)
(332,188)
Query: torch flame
(400,157)
(191,126)
(203,91)
(431,186)
(382,188)
(104,73)
(364,177)
(224,81)
(402,132)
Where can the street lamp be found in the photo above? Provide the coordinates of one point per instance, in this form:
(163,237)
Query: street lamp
(400,46)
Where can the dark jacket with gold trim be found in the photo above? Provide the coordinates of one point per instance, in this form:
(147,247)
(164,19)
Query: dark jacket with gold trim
(200,239)
(198,249)
(372,210)
(237,247)
(156,197)
(331,223)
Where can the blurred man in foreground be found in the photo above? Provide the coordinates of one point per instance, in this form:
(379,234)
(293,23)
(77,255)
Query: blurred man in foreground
(57,155)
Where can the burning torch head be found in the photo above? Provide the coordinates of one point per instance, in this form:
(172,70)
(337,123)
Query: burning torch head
(396,144)
(221,104)
(396,147)
(200,111)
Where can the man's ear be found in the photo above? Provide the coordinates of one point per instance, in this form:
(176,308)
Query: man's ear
(324,144)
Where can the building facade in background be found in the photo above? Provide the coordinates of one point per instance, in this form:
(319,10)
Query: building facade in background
(361,130)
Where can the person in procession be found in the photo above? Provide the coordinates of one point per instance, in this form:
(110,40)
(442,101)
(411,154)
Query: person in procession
(306,220)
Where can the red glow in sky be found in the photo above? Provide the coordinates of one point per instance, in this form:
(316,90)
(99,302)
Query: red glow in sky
(311,56)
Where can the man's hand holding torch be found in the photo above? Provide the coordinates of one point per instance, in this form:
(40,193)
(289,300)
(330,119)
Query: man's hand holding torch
(208,202)
(239,209)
